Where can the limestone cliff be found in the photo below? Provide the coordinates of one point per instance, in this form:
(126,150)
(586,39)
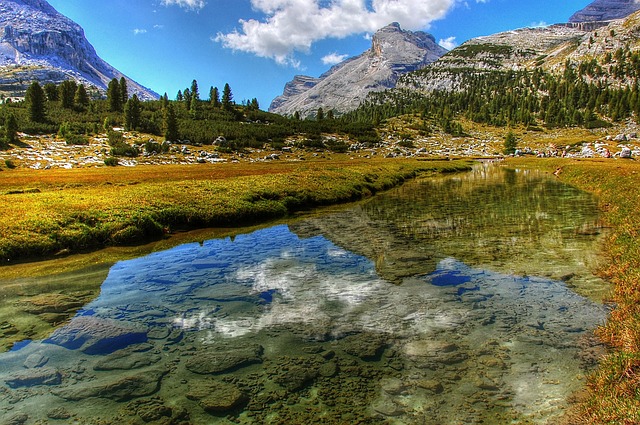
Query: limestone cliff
(393,52)
(606,10)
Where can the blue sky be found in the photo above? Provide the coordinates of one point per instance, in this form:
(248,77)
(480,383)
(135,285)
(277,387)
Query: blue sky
(258,45)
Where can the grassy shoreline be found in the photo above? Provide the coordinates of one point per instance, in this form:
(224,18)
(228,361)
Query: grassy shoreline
(613,392)
(47,212)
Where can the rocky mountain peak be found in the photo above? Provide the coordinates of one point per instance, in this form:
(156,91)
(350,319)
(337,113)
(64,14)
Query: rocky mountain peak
(606,10)
(393,52)
(38,43)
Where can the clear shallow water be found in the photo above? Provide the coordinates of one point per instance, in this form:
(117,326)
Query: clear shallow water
(450,300)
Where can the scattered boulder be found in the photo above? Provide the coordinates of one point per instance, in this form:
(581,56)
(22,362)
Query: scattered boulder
(625,152)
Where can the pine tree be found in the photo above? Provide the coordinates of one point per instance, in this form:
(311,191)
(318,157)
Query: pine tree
(214,97)
(81,98)
(52,92)
(227,97)
(114,96)
(11,129)
(254,105)
(124,91)
(195,93)
(320,114)
(67,92)
(510,143)
(35,99)
(179,96)
(170,124)
(165,100)
(132,113)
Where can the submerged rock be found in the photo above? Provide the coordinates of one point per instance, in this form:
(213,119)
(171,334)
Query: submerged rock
(129,358)
(94,335)
(365,346)
(32,377)
(225,359)
(123,389)
(216,396)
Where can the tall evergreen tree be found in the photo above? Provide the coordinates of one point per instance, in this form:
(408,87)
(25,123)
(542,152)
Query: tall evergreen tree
(124,90)
(195,93)
(52,92)
(187,97)
(170,124)
(81,98)
(36,102)
(227,97)
(165,100)
(67,92)
(132,113)
(114,96)
(179,96)
(320,114)
(11,129)
(214,97)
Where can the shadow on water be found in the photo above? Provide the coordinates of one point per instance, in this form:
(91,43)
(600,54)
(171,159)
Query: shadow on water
(446,301)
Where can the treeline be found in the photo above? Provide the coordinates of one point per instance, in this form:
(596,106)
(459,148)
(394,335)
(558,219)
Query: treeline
(579,96)
(70,112)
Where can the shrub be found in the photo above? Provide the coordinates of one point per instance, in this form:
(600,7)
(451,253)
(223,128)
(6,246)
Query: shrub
(76,139)
(111,161)
(124,149)
(115,138)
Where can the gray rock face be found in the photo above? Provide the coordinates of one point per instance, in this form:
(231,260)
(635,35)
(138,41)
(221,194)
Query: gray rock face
(55,49)
(393,52)
(606,10)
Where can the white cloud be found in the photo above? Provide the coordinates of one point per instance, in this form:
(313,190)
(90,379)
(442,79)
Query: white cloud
(185,4)
(333,58)
(293,26)
(138,31)
(540,24)
(448,43)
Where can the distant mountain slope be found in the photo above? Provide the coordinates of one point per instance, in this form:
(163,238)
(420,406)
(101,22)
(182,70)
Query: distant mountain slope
(548,48)
(393,52)
(606,10)
(512,50)
(38,43)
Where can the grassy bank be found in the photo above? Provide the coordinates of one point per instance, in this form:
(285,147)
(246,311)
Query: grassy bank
(46,212)
(614,389)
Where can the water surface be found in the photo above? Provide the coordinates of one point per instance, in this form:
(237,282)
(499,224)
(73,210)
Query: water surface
(452,300)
